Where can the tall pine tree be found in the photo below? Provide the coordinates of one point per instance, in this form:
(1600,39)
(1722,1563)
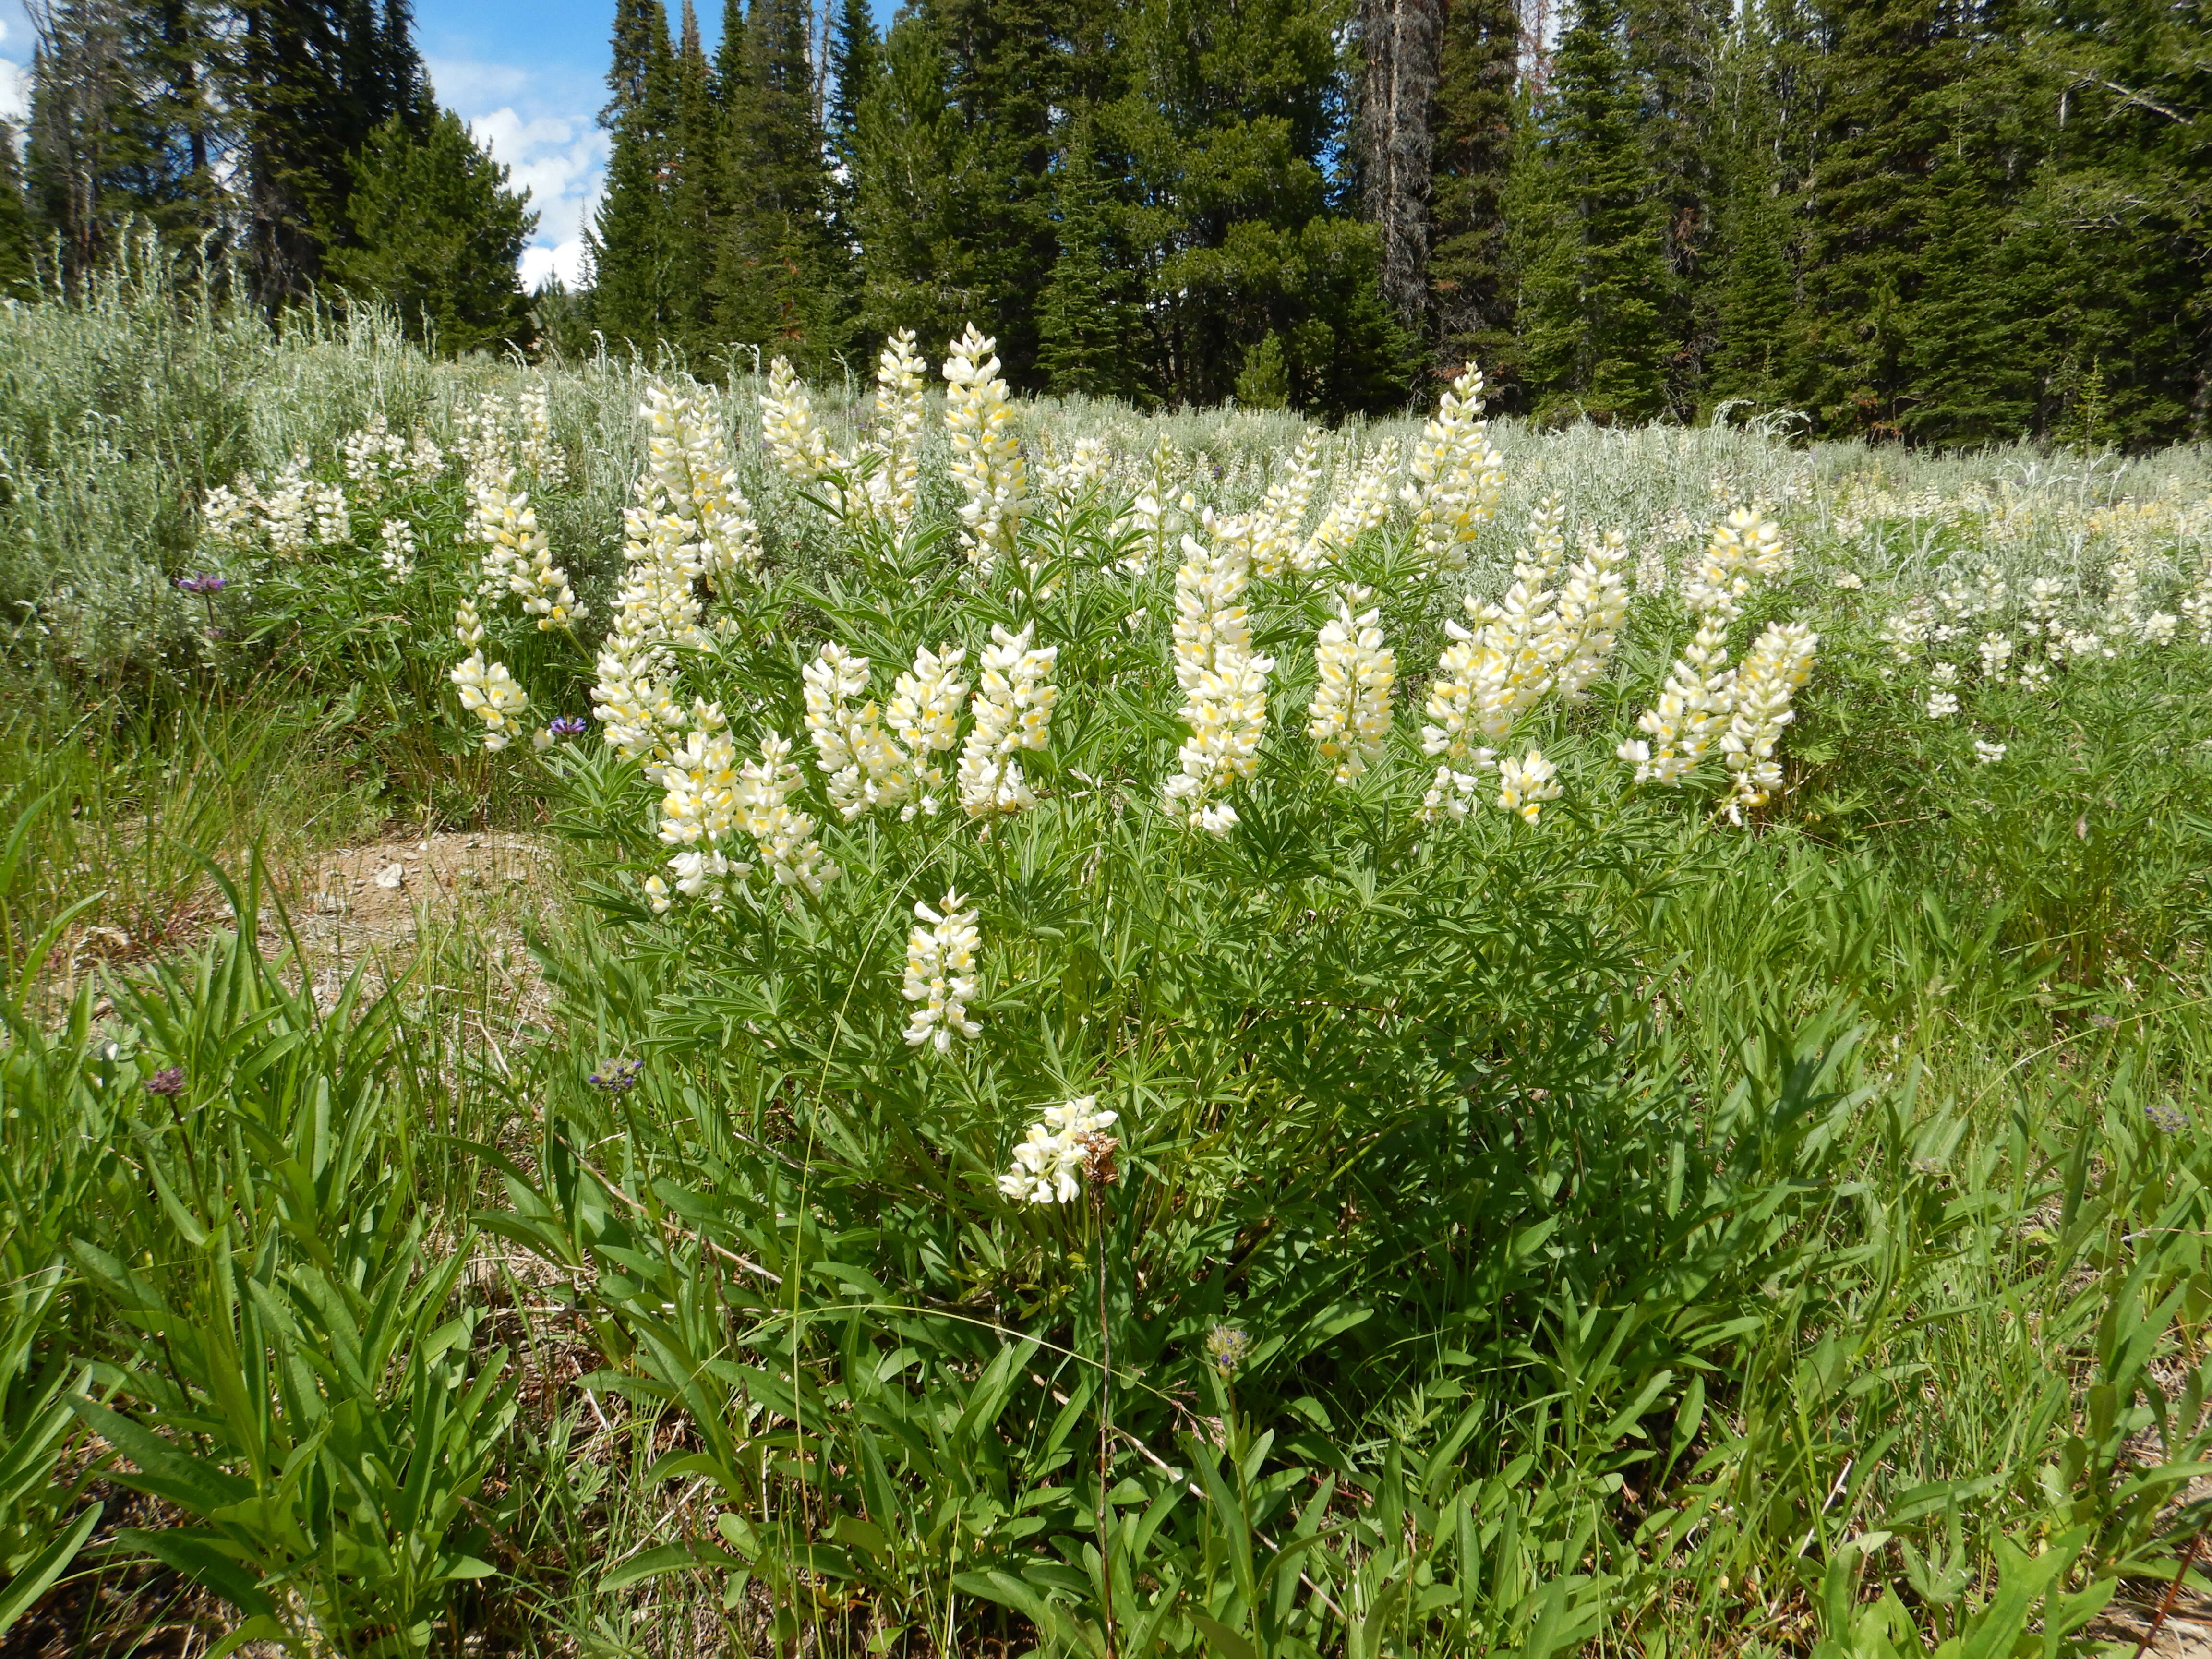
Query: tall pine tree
(1673,54)
(1593,335)
(692,188)
(633,236)
(1004,72)
(314,79)
(778,274)
(1402,46)
(436,235)
(124,124)
(856,66)
(1470,278)
(1083,322)
(1757,348)
(1868,206)
(916,178)
(18,251)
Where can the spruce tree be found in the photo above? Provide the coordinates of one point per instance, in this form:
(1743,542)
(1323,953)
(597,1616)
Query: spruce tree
(400,68)
(856,67)
(437,233)
(1756,353)
(1082,327)
(632,240)
(1232,219)
(856,52)
(19,252)
(1980,328)
(1593,334)
(2111,242)
(692,188)
(1005,71)
(1868,205)
(124,125)
(1673,52)
(915,177)
(778,282)
(1969,362)
(730,53)
(1401,45)
(1471,123)
(312,79)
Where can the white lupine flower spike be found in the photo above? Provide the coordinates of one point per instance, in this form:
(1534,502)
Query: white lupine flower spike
(488,692)
(987,458)
(1779,662)
(940,972)
(1224,684)
(1526,784)
(1050,1159)
(1350,720)
(1013,704)
(1456,475)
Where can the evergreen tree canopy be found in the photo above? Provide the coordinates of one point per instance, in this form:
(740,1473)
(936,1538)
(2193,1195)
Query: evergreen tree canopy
(1906,219)
(1593,334)
(1470,277)
(314,79)
(124,124)
(778,279)
(635,243)
(437,233)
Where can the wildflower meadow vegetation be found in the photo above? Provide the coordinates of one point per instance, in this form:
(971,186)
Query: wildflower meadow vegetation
(1140,1034)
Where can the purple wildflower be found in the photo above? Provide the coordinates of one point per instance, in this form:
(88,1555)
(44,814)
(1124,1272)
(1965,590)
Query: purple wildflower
(621,1075)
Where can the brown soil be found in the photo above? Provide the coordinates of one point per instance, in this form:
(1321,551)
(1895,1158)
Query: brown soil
(2186,1634)
(384,891)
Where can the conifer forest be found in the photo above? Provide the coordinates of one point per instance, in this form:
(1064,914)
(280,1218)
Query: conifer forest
(1274,830)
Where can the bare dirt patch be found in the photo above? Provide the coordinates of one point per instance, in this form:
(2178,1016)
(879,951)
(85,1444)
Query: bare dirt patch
(380,903)
(386,889)
(2186,1634)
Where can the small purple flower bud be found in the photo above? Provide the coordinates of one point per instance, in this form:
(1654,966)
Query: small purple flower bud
(621,1075)
(205,583)
(170,1082)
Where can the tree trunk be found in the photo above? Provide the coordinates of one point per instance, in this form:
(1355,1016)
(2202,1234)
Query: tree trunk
(1402,40)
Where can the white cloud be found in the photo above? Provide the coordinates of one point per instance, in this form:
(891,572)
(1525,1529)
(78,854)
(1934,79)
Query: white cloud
(542,126)
(559,166)
(14,90)
(565,261)
(19,37)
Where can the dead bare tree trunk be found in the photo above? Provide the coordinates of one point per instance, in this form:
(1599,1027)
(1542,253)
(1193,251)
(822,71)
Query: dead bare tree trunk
(1402,40)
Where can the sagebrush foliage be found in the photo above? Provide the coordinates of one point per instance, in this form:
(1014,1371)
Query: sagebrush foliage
(973,1187)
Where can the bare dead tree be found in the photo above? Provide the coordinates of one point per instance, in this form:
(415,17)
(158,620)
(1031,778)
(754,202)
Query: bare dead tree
(1401,41)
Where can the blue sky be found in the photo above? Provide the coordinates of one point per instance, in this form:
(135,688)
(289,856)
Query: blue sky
(528,77)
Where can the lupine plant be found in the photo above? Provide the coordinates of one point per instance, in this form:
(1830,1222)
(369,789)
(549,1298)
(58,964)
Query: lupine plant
(1183,1035)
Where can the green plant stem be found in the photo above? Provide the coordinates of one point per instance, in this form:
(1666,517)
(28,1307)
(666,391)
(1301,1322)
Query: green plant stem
(1105,1409)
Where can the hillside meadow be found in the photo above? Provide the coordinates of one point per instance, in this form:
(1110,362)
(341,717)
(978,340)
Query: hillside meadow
(649,1015)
